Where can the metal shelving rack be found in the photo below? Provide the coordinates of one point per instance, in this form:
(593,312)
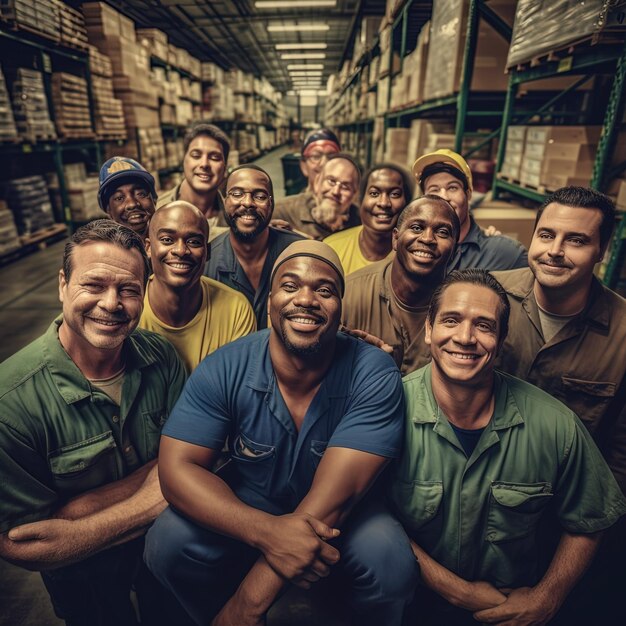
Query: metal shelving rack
(611,60)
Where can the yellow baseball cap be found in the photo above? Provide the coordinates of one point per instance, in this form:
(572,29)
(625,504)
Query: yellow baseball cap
(446,157)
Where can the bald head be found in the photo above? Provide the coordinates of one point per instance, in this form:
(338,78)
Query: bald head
(177,245)
(179,207)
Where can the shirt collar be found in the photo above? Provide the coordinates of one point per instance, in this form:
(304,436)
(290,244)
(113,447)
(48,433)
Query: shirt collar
(505,413)
(474,235)
(337,379)
(68,379)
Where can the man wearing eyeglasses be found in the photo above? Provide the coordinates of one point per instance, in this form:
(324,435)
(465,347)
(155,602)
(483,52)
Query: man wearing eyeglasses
(243,257)
(331,208)
(317,146)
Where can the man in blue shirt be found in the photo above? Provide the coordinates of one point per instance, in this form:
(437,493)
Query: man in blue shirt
(312,416)
(446,174)
(243,257)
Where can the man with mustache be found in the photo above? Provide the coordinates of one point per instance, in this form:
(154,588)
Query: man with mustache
(331,207)
(317,147)
(204,168)
(312,416)
(489,462)
(243,257)
(127,193)
(390,298)
(195,313)
(81,410)
(385,191)
(568,333)
(446,174)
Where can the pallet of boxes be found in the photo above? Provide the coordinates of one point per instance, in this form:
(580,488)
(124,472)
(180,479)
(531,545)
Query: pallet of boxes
(82,193)
(108,110)
(113,34)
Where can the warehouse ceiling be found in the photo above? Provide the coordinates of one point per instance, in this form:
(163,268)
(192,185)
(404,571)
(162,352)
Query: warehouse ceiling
(244,34)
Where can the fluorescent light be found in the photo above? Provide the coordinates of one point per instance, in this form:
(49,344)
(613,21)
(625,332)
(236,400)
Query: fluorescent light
(301,46)
(293,4)
(288,28)
(305,72)
(291,92)
(304,55)
(305,66)
(308,92)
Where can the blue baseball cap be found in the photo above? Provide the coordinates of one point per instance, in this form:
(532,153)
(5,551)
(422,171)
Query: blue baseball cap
(118,171)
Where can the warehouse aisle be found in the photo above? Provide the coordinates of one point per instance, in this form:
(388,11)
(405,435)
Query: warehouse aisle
(28,303)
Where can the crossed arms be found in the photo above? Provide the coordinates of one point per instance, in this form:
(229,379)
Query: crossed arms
(92,522)
(293,546)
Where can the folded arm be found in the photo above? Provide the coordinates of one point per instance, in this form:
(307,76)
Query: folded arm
(539,604)
(341,480)
(90,523)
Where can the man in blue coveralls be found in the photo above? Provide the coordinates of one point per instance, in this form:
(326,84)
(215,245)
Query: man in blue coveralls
(312,416)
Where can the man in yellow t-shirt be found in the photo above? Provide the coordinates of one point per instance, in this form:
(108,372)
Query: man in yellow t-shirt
(385,191)
(195,313)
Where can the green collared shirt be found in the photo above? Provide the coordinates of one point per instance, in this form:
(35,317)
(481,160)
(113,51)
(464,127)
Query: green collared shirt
(60,436)
(479,516)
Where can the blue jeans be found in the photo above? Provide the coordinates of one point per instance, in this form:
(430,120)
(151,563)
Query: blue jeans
(203,569)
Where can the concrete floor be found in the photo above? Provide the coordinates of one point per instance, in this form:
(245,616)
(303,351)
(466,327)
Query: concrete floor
(28,304)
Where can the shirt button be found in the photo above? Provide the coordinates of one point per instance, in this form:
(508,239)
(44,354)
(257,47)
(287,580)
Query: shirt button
(116,418)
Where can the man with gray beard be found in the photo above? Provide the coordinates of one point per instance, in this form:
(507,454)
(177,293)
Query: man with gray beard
(243,257)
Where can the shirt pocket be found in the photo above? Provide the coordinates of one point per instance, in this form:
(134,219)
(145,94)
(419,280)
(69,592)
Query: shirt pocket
(515,510)
(84,465)
(152,424)
(418,503)
(317,451)
(254,462)
(589,399)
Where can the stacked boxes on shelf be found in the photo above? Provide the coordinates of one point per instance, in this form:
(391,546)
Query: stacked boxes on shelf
(108,110)
(408,88)
(155,40)
(30,106)
(72,27)
(217,95)
(9,239)
(29,200)
(174,152)
(82,191)
(8,130)
(514,153)
(114,35)
(71,106)
(41,17)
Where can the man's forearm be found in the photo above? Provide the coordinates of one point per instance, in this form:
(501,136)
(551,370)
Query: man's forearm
(573,556)
(457,591)
(54,543)
(103,497)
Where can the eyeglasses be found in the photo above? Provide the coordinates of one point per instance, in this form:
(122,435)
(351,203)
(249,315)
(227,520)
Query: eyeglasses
(332,182)
(258,195)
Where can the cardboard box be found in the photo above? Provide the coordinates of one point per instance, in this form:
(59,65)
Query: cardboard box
(554,181)
(511,220)
(571,151)
(620,203)
(565,134)
(516,133)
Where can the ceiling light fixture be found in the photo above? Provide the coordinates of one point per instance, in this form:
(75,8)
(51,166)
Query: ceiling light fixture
(288,28)
(293,4)
(303,55)
(301,46)
(305,66)
(306,72)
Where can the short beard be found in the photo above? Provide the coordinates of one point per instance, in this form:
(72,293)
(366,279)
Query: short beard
(314,348)
(247,236)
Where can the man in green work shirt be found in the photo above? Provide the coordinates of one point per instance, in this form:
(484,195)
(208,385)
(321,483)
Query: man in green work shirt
(488,461)
(81,410)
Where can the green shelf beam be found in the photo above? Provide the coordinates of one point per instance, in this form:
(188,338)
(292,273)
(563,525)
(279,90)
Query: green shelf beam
(522,191)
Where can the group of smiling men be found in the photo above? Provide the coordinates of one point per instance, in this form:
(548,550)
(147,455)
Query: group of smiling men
(152,440)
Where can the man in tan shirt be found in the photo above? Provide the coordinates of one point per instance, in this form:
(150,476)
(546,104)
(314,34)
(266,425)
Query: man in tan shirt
(568,333)
(390,298)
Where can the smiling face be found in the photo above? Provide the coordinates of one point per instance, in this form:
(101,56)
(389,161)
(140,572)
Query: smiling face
(305,304)
(451,189)
(204,165)
(177,245)
(337,185)
(132,206)
(464,336)
(426,238)
(383,200)
(565,247)
(248,204)
(103,298)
